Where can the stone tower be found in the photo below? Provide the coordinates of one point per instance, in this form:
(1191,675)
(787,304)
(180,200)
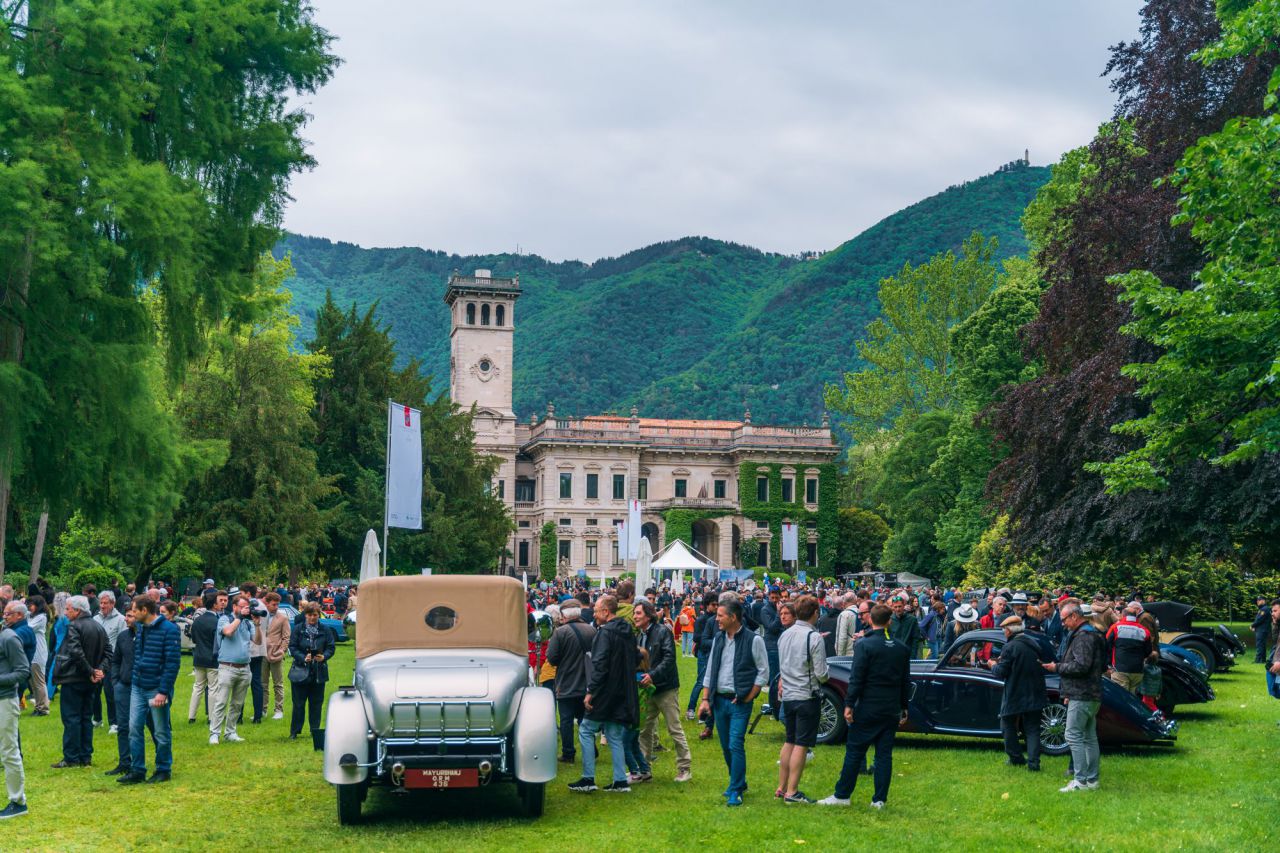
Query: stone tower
(481,328)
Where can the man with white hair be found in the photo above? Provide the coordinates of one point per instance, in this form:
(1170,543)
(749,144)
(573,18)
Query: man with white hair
(847,624)
(113,622)
(15,669)
(1129,648)
(81,663)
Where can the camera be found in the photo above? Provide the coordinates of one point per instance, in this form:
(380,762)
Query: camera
(255,610)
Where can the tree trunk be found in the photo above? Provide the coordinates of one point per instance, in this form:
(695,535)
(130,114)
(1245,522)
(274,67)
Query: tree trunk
(38,554)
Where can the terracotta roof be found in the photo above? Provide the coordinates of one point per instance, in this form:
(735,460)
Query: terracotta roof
(666,422)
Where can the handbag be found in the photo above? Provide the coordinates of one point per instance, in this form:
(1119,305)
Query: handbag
(299,674)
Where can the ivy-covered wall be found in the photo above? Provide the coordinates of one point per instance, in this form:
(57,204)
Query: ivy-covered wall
(774,511)
(679,523)
(547,552)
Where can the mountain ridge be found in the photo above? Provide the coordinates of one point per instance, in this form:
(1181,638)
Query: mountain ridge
(691,327)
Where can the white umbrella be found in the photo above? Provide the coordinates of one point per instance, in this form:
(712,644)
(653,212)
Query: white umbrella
(644,566)
(369,566)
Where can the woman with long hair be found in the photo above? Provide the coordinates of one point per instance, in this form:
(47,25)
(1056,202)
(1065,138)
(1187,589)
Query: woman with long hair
(38,622)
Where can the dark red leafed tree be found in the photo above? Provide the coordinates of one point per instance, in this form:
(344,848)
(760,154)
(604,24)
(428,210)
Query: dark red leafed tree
(1056,423)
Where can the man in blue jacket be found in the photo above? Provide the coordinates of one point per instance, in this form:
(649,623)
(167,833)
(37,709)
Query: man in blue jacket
(157,654)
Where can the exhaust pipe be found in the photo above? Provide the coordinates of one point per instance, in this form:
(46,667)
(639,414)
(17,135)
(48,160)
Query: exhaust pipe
(486,772)
(397,774)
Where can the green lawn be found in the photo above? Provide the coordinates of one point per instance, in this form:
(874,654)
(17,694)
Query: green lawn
(1212,790)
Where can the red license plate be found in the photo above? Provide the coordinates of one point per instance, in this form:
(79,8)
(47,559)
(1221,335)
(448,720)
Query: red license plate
(442,778)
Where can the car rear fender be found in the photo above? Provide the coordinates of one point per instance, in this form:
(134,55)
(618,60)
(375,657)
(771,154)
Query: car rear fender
(535,735)
(346,738)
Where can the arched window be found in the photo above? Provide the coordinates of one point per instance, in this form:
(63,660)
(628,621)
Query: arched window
(499,315)
(484,314)
(471,313)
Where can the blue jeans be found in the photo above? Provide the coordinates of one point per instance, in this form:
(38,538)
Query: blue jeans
(615,735)
(140,709)
(1082,737)
(731,719)
(1273,684)
(697,682)
(636,761)
(686,643)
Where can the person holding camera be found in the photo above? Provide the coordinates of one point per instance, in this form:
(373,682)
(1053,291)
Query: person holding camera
(232,640)
(310,646)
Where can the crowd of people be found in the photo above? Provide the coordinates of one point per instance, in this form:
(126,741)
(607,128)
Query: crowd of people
(611,663)
(120,650)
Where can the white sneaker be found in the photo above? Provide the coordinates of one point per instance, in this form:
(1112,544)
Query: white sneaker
(684,776)
(213,740)
(113,730)
(833,800)
(278,715)
(808,756)
(1092,786)
(877,804)
(1074,785)
(234,738)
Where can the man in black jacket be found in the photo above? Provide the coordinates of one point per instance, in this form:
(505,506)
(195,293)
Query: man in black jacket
(1080,685)
(203,659)
(874,704)
(1261,631)
(121,683)
(82,661)
(664,677)
(704,629)
(1024,696)
(569,652)
(771,630)
(612,701)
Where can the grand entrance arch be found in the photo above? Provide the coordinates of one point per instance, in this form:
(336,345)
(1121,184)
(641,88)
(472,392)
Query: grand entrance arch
(706,538)
(649,531)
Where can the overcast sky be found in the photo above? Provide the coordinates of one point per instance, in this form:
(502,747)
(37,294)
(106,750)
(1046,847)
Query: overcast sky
(588,129)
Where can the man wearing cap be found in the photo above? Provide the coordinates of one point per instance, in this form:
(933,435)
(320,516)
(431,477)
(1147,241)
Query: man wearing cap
(1024,697)
(1129,648)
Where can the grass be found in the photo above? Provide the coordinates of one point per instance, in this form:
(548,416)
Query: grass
(1211,790)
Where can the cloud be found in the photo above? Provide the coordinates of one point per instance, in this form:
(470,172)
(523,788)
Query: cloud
(582,130)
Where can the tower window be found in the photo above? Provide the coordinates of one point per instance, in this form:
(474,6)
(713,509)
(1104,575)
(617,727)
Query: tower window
(500,315)
(484,314)
(471,313)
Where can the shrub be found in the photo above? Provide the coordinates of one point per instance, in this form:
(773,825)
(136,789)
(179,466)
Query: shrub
(102,577)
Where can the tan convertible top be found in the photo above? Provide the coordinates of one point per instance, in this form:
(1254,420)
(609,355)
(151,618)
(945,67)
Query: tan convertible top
(490,613)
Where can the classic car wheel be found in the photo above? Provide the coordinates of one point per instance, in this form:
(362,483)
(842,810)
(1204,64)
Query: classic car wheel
(1053,729)
(349,799)
(1200,649)
(831,725)
(532,797)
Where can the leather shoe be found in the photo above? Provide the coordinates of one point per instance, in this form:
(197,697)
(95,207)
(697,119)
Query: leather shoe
(62,764)
(704,734)
(117,770)
(158,776)
(131,778)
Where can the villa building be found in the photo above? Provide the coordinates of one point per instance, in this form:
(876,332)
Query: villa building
(579,473)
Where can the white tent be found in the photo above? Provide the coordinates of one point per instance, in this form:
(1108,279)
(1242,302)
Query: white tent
(678,558)
(912,580)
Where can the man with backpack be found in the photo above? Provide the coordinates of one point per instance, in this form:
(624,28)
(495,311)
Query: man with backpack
(569,651)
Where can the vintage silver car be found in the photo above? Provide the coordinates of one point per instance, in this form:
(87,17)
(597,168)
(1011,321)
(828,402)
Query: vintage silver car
(442,695)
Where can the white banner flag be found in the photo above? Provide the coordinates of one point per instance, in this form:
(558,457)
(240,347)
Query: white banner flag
(633,529)
(790,541)
(621,528)
(404,467)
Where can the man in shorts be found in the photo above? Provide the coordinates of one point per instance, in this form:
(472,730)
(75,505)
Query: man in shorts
(802,662)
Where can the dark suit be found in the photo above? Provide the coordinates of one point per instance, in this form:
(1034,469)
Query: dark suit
(879,688)
(83,650)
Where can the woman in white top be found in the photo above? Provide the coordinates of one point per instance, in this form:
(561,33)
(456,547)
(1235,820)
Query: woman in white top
(38,621)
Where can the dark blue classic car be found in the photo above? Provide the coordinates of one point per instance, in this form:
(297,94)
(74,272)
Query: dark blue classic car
(958,695)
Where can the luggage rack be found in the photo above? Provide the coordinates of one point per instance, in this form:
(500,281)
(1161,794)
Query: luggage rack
(458,717)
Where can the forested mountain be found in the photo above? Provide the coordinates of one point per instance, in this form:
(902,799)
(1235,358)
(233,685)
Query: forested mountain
(691,327)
